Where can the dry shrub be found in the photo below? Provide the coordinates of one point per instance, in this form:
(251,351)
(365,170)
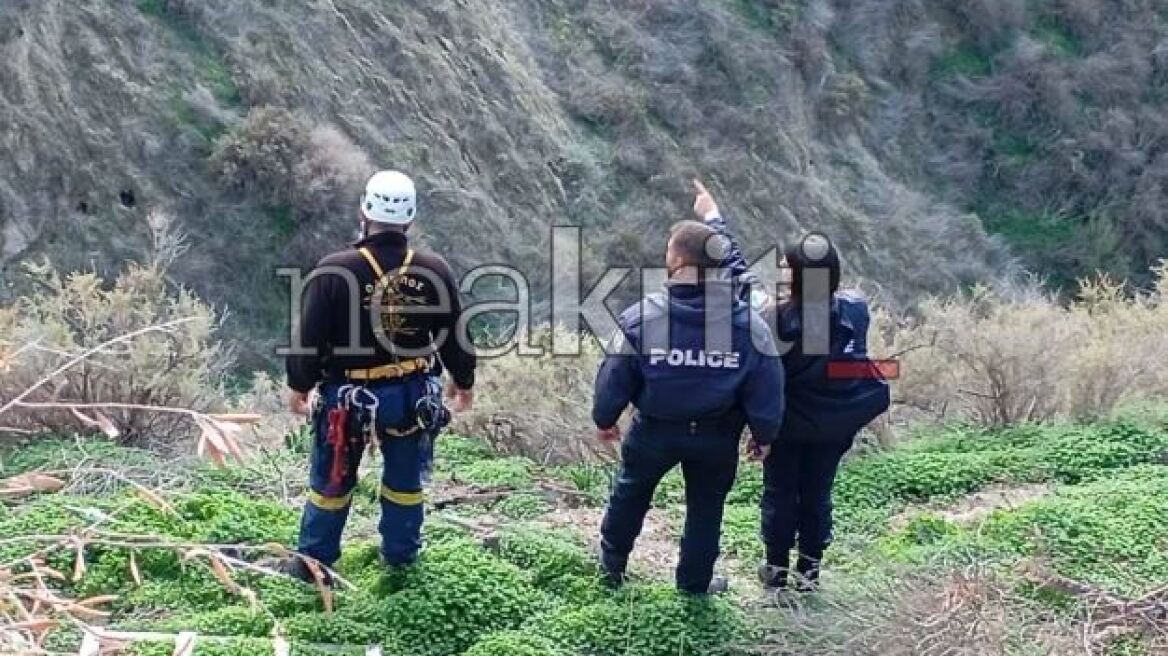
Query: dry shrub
(606,100)
(845,98)
(539,406)
(266,395)
(283,159)
(954,613)
(182,366)
(998,360)
(990,22)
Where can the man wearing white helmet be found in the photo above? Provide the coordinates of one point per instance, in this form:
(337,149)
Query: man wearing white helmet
(383,389)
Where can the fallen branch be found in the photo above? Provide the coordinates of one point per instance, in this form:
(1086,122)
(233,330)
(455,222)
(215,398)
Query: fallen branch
(1109,615)
(191,549)
(114,638)
(218,431)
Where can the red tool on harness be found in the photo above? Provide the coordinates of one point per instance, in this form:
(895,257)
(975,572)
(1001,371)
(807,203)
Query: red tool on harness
(338,439)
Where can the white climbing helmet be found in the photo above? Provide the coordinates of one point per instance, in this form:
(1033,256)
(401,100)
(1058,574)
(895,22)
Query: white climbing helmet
(390,197)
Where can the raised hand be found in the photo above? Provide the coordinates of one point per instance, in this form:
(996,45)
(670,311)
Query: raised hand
(704,204)
(298,403)
(757,452)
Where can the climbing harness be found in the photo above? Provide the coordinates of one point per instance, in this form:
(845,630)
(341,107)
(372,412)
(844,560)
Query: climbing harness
(352,425)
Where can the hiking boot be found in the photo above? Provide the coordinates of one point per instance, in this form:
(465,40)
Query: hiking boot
(718,585)
(298,569)
(613,580)
(612,569)
(773,577)
(808,574)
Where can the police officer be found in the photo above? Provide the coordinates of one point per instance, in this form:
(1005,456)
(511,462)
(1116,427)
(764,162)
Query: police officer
(832,391)
(698,365)
(377,321)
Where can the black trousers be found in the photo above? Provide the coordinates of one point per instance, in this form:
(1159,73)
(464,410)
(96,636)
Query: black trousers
(709,463)
(796,501)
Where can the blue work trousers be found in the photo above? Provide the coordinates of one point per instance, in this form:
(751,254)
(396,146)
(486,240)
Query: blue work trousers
(403,448)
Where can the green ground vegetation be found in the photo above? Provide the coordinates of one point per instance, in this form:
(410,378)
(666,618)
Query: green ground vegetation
(533,589)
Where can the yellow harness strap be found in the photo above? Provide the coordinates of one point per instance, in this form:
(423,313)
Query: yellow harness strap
(373,263)
(376,266)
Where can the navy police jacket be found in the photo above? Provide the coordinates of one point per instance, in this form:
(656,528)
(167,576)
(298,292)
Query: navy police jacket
(678,361)
(822,407)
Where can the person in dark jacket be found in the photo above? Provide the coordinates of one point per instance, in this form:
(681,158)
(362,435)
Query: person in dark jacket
(687,361)
(377,321)
(827,404)
(824,332)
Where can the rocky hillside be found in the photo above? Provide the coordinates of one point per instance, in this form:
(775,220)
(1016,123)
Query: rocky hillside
(903,129)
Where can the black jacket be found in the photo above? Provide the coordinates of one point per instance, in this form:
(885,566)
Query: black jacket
(417,312)
(822,407)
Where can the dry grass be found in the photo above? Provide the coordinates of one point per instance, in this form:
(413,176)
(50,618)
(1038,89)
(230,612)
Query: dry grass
(956,613)
(998,360)
(539,407)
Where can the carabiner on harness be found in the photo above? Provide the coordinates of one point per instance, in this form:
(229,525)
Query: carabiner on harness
(430,410)
(365,403)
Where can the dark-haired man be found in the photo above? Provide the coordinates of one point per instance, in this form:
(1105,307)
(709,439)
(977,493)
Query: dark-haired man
(687,361)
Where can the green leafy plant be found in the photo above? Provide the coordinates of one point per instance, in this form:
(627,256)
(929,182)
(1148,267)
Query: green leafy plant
(498,472)
(522,506)
(648,621)
(455,594)
(514,643)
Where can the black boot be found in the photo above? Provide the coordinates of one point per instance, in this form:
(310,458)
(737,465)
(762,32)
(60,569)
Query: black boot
(718,585)
(612,571)
(808,573)
(774,574)
(773,577)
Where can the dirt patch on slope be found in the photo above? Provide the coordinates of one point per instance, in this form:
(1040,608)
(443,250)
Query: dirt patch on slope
(978,505)
(655,553)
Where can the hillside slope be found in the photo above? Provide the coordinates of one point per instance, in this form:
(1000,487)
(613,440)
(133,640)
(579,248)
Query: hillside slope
(903,129)
(514,116)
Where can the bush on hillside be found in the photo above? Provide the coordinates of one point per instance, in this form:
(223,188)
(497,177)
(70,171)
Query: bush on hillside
(287,162)
(998,361)
(539,406)
(180,364)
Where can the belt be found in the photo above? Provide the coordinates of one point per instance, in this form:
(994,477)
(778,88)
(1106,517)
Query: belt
(389,371)
(703,425)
